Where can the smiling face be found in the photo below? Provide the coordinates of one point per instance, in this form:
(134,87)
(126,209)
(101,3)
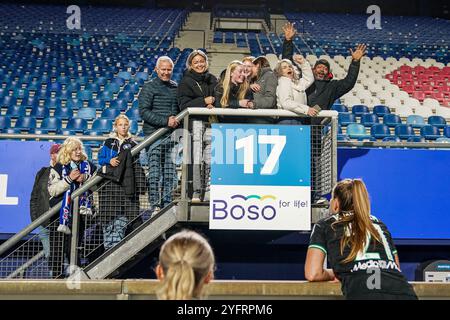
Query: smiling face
(320,72)
(248,69)
(198,64)
(287,70)
(238,74)
(164,70)
(76,154)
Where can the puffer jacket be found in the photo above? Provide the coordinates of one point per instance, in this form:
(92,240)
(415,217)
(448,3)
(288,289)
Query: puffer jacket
(157,102)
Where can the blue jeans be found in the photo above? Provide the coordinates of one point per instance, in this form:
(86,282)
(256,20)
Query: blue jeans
(44,236)
(162,176)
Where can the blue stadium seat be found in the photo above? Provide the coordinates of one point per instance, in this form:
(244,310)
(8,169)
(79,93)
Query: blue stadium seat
(77,125)
(142,75)
(87,113)
(415,121)
(97,104)
(430,132)
(49,125)
(102,125)
(346,118)
(25,124)
(126,95)
(119,81)
(381,110)
(339,108)
(357,131)
(15,111)
(404,131)
(119,104)
(132,87)
(31,102)
(53,103)
(437,121)
(113,87)
(125,75)
(63,113)
(133,114)
(134,127)
(360,109)
(369,119)
(40,112)
(391,120)
(101,81)
(106,95)
(135,104)
(380,131)
(74,104)
(391,139)
(84,95)
(110,113)
(8,101)
(416,139)
(88,151)
(446,131)
(5,122)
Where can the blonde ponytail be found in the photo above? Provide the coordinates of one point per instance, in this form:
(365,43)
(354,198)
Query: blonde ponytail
(355,215)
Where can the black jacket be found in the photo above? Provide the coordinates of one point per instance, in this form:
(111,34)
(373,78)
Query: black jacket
(157,102)
(325,92)
(233,102)
(194,88)
(125,174)
(39,199)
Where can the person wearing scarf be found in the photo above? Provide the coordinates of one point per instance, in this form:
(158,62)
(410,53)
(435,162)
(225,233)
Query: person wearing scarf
(196,90)
(71,172)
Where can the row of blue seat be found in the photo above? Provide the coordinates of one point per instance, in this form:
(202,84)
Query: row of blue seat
(55,125)
(402,131)
(391,120)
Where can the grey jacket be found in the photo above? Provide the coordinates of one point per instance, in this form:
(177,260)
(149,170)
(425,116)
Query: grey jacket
(267,97)
(157,102)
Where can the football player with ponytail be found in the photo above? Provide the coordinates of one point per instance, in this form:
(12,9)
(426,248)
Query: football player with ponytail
(359,248)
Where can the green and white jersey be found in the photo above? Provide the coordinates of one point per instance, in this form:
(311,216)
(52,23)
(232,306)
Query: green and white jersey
(359,276)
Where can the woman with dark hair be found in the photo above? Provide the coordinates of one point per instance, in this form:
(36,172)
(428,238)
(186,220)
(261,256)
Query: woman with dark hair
(359,248)
(264,88)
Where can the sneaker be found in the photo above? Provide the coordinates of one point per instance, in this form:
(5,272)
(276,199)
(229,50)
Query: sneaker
(207,196)
(64,229)
(196,197)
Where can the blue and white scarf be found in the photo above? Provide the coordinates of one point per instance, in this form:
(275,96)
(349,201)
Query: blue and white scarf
(65,213)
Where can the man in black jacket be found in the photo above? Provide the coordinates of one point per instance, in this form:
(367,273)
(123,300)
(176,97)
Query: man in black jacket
(322,93)
(158,107)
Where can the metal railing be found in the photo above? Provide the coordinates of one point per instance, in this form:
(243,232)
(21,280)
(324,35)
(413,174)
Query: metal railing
(161,181)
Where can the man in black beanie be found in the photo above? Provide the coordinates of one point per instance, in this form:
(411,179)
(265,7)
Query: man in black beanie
(321,95)
(324,91)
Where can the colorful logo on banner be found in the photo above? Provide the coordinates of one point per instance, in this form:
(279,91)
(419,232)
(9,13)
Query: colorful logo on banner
(260,177)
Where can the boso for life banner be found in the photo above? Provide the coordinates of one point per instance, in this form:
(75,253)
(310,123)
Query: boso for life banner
(260,177)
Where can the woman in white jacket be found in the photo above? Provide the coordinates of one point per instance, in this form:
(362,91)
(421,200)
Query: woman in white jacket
(291,88)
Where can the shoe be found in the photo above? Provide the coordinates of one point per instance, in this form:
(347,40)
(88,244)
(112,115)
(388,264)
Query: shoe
(207,196)
(64,229)
(196,197)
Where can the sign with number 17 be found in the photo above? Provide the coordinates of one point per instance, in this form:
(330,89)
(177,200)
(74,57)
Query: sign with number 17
(260,177)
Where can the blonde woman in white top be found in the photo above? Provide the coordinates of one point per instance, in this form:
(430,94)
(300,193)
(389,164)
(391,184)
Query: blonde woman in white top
(291,88)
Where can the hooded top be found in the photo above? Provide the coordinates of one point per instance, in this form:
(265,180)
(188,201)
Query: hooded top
(194,88)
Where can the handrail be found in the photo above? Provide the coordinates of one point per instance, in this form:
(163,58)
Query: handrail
(92,182)
(393,144)
(146,142)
